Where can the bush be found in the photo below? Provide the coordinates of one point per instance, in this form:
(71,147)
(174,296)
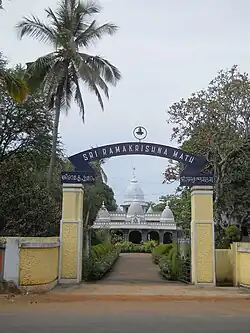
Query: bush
(99,236)
(115,238)
(165,267)
(184,269)
(166,256)
(128,247)
(169,264)
(161,250)
(233,233)
(225,237)
(101,259)
(149,246)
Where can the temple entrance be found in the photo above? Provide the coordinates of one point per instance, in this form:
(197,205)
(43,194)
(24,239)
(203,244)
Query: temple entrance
(167,238)
(135,237)
(135,214)
(153,236)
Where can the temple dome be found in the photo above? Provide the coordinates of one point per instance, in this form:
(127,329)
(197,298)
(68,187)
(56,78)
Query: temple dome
(135,209)
(103,213)
(167,215)
(134,192)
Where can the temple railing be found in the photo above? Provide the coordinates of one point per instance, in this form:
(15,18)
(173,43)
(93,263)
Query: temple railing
(139,225)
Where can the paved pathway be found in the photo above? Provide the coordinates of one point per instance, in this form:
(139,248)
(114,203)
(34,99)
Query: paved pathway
(134,268)
(135,277)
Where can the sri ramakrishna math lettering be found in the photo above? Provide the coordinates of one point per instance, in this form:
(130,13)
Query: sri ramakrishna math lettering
(193,163)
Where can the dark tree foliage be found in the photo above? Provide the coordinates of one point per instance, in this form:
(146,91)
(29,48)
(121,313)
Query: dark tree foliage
(26,209)
(216,123)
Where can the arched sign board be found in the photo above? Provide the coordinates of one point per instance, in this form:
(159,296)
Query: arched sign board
(84,173)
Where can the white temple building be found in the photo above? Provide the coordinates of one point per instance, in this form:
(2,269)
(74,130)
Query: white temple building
(134,222)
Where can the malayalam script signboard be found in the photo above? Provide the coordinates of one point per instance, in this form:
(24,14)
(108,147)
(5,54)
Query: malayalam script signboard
(203,179)
(77,177)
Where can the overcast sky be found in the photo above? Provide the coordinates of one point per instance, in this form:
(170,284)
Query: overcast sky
(165,49)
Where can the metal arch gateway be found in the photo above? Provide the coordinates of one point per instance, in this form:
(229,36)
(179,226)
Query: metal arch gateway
(191,174)
(203,271)
(82,159)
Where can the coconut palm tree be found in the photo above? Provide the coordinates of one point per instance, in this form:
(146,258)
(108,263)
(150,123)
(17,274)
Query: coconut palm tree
(70,30)
(15,86)
(98,166)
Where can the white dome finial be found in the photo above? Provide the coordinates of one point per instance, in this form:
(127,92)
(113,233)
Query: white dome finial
(103,213)
(133,176)
(167,215)
(134,191)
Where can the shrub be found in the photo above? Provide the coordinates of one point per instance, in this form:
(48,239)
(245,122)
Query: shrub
(99,236)
(101,259)
(165,267)
(184,269)
(169,264)
(149,246)
(115,238)
(160,250)
(128,247)
(233,233)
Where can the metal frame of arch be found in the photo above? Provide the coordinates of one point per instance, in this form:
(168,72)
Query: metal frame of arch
(191,175)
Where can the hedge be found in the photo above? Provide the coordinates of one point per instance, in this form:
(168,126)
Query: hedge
(169,264)
(172,266)
(161,250)
(101,259)
(128,247)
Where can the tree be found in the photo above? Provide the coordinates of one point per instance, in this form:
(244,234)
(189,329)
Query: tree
(98,167)
(95,195)
(60,72)
(27,208)
(14,85)
(159,207)
(25,129)
(180,204)
(215,122)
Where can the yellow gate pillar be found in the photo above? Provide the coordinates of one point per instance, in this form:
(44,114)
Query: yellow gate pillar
(202,235)
(71,234)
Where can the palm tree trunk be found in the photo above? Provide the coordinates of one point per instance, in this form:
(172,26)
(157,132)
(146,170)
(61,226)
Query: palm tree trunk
(54,145)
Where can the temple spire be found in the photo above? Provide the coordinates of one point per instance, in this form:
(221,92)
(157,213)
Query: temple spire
(133,175)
